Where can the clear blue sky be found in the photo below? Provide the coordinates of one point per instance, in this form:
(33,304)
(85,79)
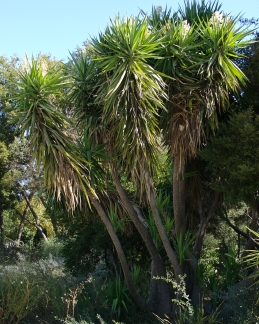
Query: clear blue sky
(59,26)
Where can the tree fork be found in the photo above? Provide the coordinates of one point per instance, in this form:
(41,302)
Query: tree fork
(157,266)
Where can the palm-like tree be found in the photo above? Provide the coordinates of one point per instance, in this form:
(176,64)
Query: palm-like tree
(123,102)
(132,95)
(66,173)
(197,55)
(122,111)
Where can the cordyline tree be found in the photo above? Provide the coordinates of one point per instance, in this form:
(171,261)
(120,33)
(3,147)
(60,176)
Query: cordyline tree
(150,84)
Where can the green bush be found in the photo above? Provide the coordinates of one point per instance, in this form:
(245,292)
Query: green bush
(53,246)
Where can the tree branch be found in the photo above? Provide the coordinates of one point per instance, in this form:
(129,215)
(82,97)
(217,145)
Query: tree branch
(234,227)
(203,224)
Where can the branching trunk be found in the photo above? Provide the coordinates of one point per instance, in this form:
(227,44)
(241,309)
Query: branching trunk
(38,227)
(253,226)
(35,217)
(163,304)
(143,231)
(140,302)
(22,222)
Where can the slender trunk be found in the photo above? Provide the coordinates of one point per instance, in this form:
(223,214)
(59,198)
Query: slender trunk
(39,228)
(161,230)
(143,231)
(43,235)
(234,227)
(23,218)
(179,196)
(163,304)
(127,274)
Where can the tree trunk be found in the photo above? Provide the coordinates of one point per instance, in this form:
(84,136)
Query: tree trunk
(163,304)
(140,302)
(23,218)
(234,227)
(179,196)
(160,296)
(38,226)
(161,230)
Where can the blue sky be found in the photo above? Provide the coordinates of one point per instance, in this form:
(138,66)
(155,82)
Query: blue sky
(59,26)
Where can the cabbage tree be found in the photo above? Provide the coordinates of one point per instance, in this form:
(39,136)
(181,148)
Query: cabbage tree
(148,85)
